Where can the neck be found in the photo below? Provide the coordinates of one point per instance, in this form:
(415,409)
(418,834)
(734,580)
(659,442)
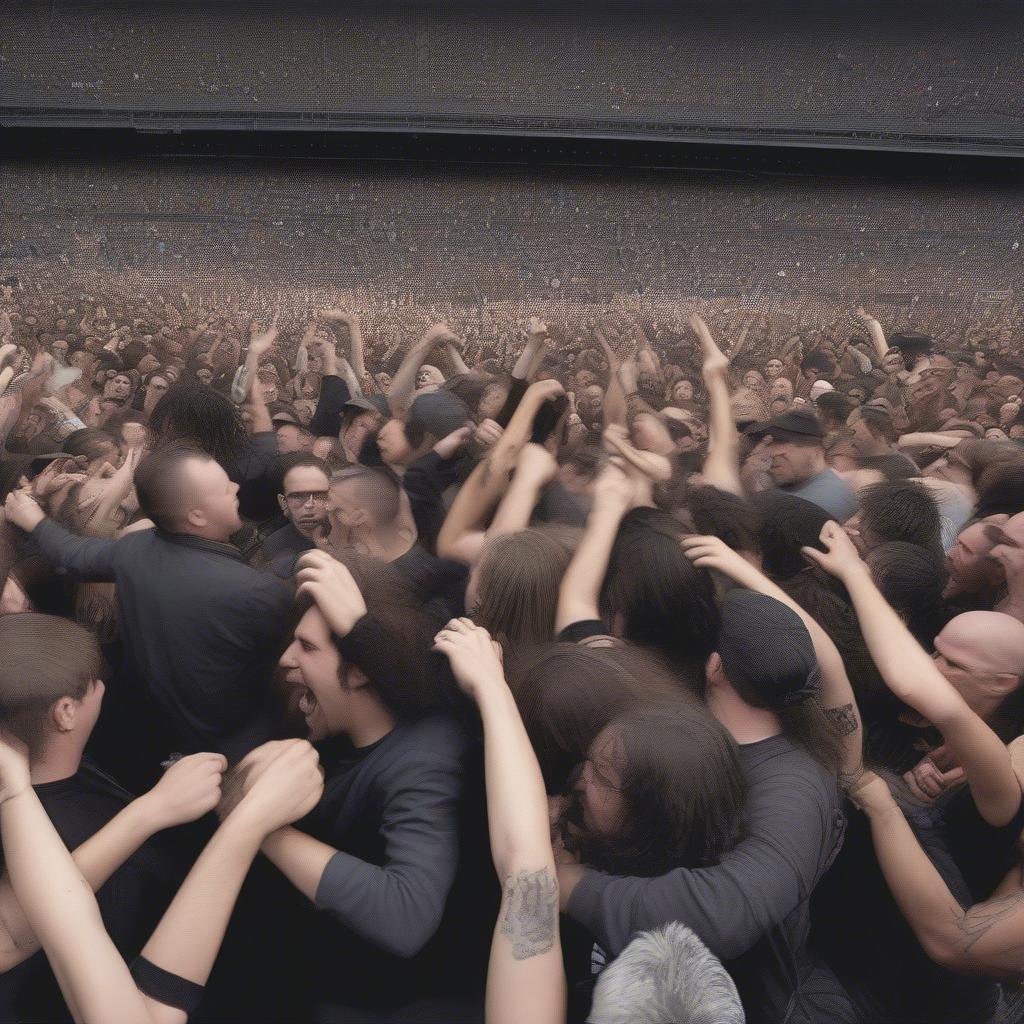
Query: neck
(744,722)
(59,759)
(206,534)
(373,723)
(385,543)
(312,532)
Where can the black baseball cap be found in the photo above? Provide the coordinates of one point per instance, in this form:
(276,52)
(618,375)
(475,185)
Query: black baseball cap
(368,403)
(910,341)
(798,425)
(766,651)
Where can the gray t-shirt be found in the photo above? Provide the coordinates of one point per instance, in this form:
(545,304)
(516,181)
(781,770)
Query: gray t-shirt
(752,908)
(829,491)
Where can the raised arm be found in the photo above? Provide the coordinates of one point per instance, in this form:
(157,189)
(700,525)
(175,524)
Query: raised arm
(986,938)
(525,980)
(579,594)
(914,678)
(535,469)
(881,346)
(836,698)
(462,534)
(403,384)
(189,789)
(722,466)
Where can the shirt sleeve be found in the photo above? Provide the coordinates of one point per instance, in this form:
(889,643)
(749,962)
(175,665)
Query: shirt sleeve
(87,558)
(731,905)
(260,457)
(334,394)
(398,906)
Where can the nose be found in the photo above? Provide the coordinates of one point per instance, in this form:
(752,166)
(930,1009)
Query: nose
(288,658)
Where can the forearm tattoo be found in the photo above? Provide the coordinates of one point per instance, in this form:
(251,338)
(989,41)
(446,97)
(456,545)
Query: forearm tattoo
(843,719)
(531,902)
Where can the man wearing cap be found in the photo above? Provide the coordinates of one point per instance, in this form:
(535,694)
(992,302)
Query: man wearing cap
(752,909)
(292,436)
(361,415)
(793,442)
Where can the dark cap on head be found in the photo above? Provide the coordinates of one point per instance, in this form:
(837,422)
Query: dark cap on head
(438,413)
(798,425)
(766,651)
(367,403)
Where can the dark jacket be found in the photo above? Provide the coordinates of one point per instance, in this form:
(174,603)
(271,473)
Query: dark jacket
(201,630)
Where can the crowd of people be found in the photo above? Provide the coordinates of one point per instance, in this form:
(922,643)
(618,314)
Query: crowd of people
(660,668)
(809,65)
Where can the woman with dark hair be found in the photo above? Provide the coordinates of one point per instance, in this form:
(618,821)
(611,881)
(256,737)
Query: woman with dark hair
(513,588)
(567,693)
(662,787)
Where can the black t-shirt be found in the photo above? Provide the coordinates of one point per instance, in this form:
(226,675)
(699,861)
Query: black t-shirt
(131,902)
(865,938)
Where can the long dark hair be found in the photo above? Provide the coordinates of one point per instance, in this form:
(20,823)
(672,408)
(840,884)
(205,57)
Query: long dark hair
(567,693)
(683,790)
(665,601)
(202,417)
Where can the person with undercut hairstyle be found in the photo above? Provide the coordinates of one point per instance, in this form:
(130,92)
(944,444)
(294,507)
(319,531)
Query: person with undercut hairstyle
(200,628)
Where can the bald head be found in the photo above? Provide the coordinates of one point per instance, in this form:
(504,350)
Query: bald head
(989,643)
(361,493)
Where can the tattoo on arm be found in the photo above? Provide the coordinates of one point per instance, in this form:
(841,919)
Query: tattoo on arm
(531,900)
(843,719)
(977,921)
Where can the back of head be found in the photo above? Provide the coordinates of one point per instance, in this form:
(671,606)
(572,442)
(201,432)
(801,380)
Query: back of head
(901,510)
(666,976)
(520,574)
(911,578)
(567,693)
(44,658)
(724,515)
(373,489)
(789,523)
(201,417)
(161,483)
(1001,489)
(664,600)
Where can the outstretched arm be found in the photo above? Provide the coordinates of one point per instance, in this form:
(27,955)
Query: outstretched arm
(462,533)
(987,938)
(615,491)
(525,980)
(914,678)
(722,465)
(189,789)
(837,699)
(403,384)
(875,330)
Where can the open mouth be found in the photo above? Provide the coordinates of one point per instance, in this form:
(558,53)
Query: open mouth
(307,702)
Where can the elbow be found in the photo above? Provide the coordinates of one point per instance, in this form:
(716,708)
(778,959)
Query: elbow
(412,940)
(943,951)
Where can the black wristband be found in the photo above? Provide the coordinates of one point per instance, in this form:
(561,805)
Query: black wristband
(164,987)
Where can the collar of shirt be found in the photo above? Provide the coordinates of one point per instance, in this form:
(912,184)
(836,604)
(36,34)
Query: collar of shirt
(189,540)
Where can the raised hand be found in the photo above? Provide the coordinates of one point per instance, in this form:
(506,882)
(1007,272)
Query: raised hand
(536,464)
(615,486)
(260,342)
(284,789)
(331,585)
(189,789)
(840,557)
(488,433)
(475,658)
(713,553)
(450,444)
(23,510)
(715,363)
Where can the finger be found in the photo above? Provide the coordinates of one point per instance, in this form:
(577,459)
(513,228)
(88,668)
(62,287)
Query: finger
(813,555)
(953,776)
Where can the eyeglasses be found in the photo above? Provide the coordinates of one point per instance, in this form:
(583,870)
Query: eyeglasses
(300,498)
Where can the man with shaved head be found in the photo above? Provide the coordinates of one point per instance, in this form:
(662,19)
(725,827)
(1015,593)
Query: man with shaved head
(200,627)
(370,512)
